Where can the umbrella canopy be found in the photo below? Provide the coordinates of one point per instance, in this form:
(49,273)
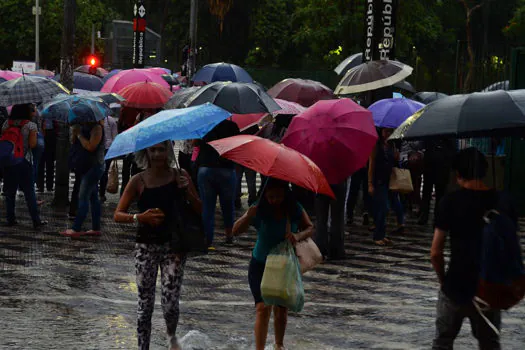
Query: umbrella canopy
(289,108)
(497,113)
(372,75)
(427,97)
(170,79)
(2,80)
(180,97)
(28,89)
(43,73)
(156,70)
(405,85)
(83,81)
(304,92)
(246,121)
(111,74)
(145,95)
(127,77)
(349,63)
(222,72)
(501,85)
(392,112)
(9,75)
(237,98)
(109,98)
(274,160)
(173,124)
(75,109)
(100,72)
(338,135)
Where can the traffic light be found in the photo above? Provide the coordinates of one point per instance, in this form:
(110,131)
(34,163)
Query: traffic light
(93,63)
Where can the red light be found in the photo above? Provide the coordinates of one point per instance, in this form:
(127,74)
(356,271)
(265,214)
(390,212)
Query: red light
(93,61)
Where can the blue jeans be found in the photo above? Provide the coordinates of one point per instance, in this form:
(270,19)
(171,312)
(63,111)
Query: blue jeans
(382,197)
(213,182)
(89,194)
(20,176)
(38,152)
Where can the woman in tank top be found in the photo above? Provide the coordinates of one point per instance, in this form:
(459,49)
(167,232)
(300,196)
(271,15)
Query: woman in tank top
(156,191)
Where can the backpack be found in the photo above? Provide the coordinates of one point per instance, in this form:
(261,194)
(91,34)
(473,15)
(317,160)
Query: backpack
(502,276)
(12,144)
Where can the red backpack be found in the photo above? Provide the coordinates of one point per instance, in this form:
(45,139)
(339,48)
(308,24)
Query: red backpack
(12,143)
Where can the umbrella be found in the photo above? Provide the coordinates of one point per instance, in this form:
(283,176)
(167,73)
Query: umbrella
(9,75)
(180,97)
(392,112)
(349,63)
(397,95)
(28,89)
(498,113)
(75,109)
(427,97)
(156,70)
(501,85)
(83,81)
(111,74)
(222,72)
(289,108)
(246,121)
(173,124)
(100,72)
(405,85)
(145,95)
(304,92)
(2,80)
(238,98)
(372,75)
(127,77)
(338,135)
(170,79)
(274,160)
(43,73)
(109,98)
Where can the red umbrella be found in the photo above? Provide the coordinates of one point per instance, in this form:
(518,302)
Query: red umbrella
(287,107)
(304,92)
(130,76)
(338,135)
(246,121)
(273,160)
(144,95)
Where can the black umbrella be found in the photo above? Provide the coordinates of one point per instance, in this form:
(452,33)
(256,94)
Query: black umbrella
(500,85)
(349,63)
(372,76)
(405,85)
(427,97)
(180,97)
(28,89)
(499,113)
(236,98)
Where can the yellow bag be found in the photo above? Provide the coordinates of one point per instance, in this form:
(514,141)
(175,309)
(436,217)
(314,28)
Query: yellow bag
(112,186)
(401,181)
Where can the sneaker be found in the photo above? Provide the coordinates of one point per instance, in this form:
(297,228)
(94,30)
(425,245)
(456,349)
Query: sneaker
(93,233)
(72,233)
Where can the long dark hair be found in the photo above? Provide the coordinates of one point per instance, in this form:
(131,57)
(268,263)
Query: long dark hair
(21,112)
(289,204)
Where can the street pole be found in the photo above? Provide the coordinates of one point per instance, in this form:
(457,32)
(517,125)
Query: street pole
(92,38)
(37,34)
(61,199)
(193,40)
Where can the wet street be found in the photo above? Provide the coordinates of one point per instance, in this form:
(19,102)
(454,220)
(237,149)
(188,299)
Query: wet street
(62,293)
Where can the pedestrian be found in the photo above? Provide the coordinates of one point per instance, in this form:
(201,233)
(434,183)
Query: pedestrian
(128,118)
(412,154)
(251,176)
(185,151)
(216,177)
(20,175)
(87,158)
(460,216)
(382,161)
(359,182)
(46,168)
(110,133)
(269,216)
(157,190)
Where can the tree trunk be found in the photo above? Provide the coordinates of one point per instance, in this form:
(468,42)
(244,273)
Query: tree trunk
(472,61)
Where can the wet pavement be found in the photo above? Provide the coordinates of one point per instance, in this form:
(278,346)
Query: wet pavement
(63,293)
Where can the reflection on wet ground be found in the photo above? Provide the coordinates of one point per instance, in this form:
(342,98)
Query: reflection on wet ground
(61,293)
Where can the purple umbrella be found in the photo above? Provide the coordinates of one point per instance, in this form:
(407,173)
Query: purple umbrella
(392,112)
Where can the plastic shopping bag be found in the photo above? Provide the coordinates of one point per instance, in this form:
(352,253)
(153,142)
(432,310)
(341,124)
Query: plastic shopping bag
(282,284)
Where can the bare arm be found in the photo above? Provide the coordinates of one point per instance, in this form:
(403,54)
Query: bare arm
(306,227)
(32,139)
(193,196)
(371,169)
(94,140)
(436,254)
(244,221)
(129,195)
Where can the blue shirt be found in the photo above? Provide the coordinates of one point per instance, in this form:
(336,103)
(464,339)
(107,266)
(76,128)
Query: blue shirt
(271,232)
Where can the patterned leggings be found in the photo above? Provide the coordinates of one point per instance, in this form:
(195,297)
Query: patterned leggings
(148,259)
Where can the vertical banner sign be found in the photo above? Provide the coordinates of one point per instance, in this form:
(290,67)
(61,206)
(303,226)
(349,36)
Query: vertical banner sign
(139,34)
(387,30)
(369,31)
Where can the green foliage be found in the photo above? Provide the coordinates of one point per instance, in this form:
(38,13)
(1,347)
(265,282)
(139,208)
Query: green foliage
(516,26)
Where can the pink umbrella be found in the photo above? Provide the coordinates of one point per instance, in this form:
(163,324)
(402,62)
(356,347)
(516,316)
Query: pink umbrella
(128,77)
(156,70)
(288,107)
(245,121)
(43,73)
(9,75)
(338,135)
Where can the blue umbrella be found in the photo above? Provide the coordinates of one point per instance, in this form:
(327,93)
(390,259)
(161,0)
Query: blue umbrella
(173,124)
(75,109)
(83,81)
(222,72)
(392,112)
(110,74)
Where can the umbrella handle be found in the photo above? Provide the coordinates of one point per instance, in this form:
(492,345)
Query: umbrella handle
(263,188)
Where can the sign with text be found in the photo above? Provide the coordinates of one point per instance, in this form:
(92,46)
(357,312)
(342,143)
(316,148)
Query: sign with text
(23,67)
(369,31)
(380,29)
(139,34)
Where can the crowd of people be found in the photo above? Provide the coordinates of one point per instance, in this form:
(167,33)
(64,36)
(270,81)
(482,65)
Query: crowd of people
(157,181)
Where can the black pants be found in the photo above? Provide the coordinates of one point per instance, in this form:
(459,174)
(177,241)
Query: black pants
(129,169)
(104,179)
(358,182)
(46,167)
(433,176)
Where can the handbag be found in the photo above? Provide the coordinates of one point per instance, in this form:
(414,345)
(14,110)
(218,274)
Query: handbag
(401,181)
(308,254)
(112,186)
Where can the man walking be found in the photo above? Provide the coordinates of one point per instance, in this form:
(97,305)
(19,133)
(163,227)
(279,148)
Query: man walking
(460,215)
